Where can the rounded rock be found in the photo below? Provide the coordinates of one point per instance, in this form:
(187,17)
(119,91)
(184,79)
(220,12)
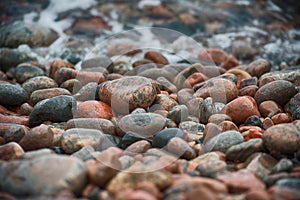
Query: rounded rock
(143,124)
(26,71)
(39,82)
(93,109)
(279,91)
(14,95)
(162,138)
(283,138)
(42,94)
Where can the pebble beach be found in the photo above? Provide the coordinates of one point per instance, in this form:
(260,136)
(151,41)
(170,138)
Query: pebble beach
(149,100)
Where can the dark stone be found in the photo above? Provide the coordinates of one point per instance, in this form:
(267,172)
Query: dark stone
(162,138)
(26,71)
(56,109)
(37,83)
(14,95)
(253,120)
(293,183)
(178,113)
(130,138)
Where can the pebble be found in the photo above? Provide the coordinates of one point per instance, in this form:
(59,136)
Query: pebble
(25,109)
(284,165)
(67,173)
(248,81)
(74,139)
(87,92)
(125,180)
(130,138)
(283,138)
(63,74)
(178,114)
(58,64)
(185,95)
(55,109)
(267,123)
(11,151)
(279,91)
(212,168)
(12,132)
(99,60)
(190,187)
(73,85)
(293,104)
(296,114)
(37,153)
(291,183)
(260,164)
(14,34)
(166,85)
(207,108)
(93,109)
(42,94)
(240,75)
(223,141)
(193,79)
(269,108)
(190,127)
(240,109)
(142,124)
(180,148)
(26,71)
(242,151)
(219,89)
(287,75)
(156,57)
(161,139)
(37,138)
(211,130)
(253,120)
(104,125)
(228,125)
(206,157)
(138,147)
(164,102)
(22,120)
(128,93)
(14,95)
(218,118)
(37,83)
(259,67)
(248,91)
(241,181)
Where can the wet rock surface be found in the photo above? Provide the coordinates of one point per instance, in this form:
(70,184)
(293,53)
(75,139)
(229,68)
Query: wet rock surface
(149,99)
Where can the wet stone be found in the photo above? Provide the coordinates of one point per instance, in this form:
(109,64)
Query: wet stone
(93,109)
(223,141)
(242,151)
(103,125)
(180,148)
(212,168)
(128,93)
(14,95)
(284,165)
(162,138)
(143,124)
(37,83)
(14,34)
(178,114)
(55,109)
(37,137)
(283,138)
(34,179)
(26,71)
(219,89)
(11,151)
(42,94)
(74,139)
(240,109)
(253,120)
(279,91)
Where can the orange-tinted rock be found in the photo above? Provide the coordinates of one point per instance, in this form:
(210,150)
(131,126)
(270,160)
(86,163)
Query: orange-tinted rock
(267,123)
(219,89)
(248,91)
(194,79)
(248,81)
(227,125)
(240,74)
(241,181)
(42,94)
(257,194)
(185,95)
(164,102)
(240,109)
(87,77)
(22,120)
(281,118)
(148,187)
(218,118)
(11,151)
(93,109)
(180,148)
(156,57)
(210,131)
(269,108)
(128,93)
(58,64)
(230,62)
(279,91)
(218,56)
(138,147)
(37,138)
(259,67)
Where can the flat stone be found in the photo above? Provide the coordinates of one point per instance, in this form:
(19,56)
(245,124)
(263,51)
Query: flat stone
(42,94)
(37,83)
